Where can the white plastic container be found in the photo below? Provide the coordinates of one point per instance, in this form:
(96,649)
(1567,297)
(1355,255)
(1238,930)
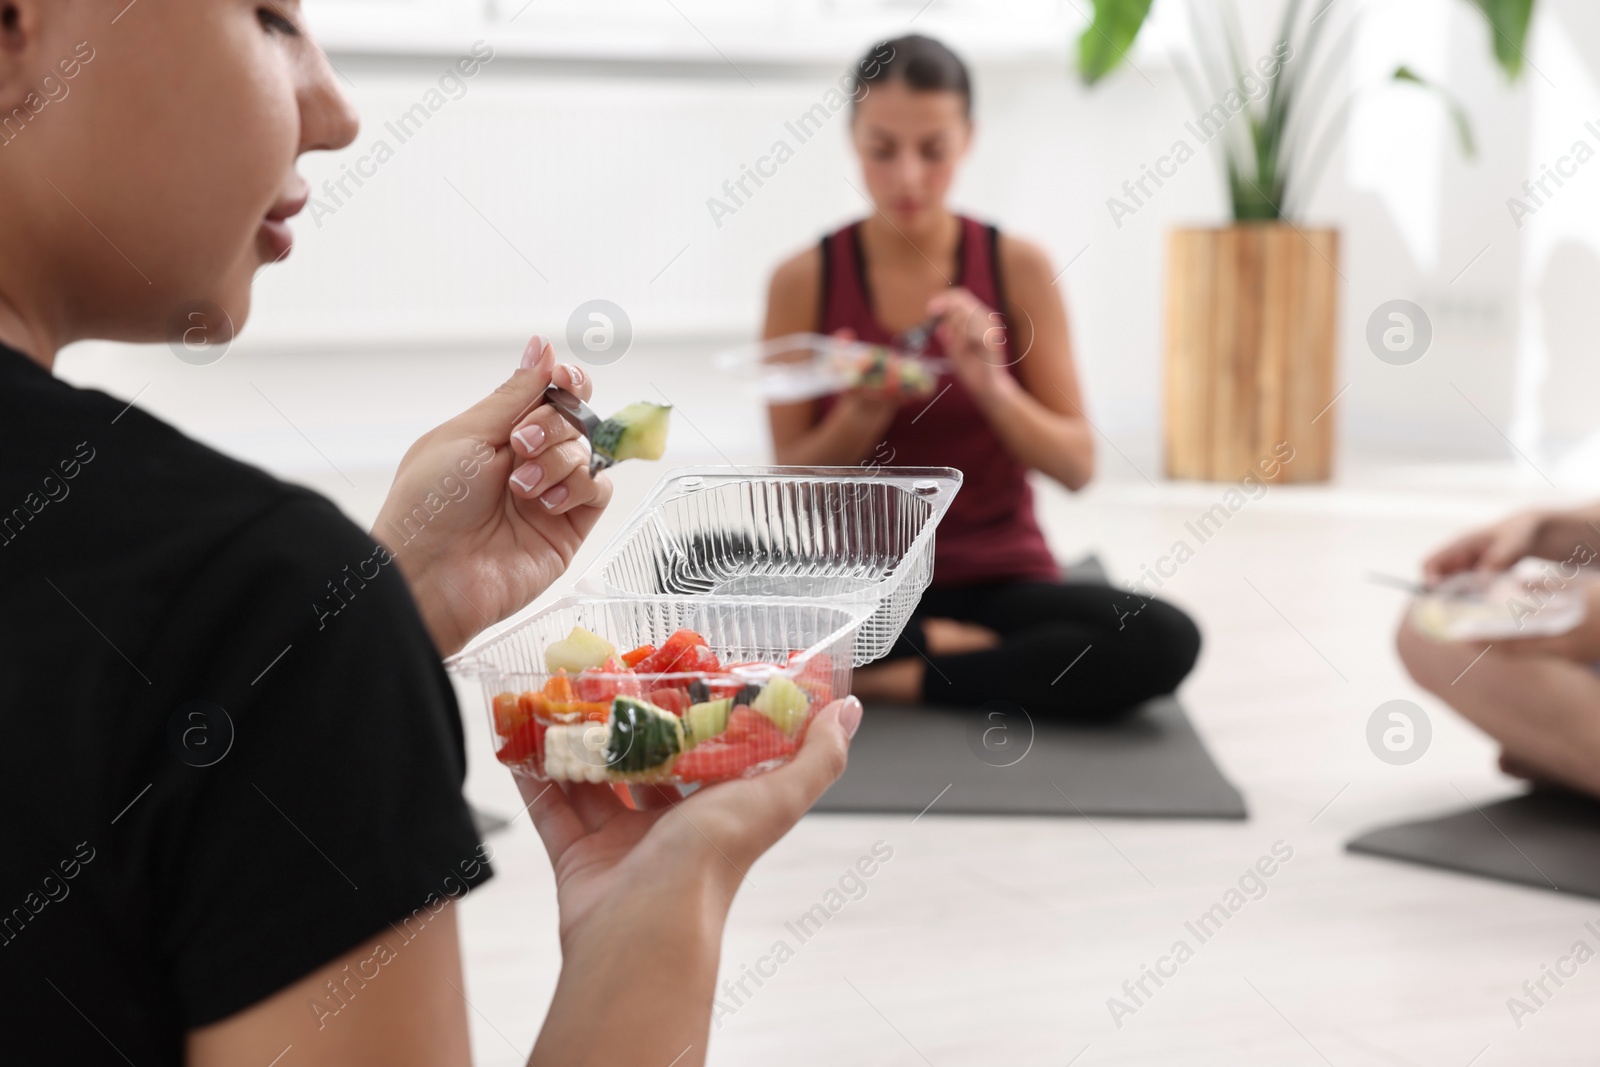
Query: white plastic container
(759,643)
(855,536)
(804,366)
(1530,600)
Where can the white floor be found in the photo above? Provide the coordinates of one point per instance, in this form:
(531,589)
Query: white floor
(999,941)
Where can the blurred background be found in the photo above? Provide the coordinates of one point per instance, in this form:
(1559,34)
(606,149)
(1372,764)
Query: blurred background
(579,162)
(577,165)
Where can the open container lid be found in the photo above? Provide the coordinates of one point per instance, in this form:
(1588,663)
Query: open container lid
(852,535)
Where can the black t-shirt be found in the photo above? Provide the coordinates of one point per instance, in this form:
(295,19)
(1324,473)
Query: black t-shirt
(228,750)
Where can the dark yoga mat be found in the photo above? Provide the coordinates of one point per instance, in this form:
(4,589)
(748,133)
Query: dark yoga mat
(1549,839)
(1150,765)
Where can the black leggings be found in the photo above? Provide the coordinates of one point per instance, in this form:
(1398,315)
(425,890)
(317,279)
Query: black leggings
(1083,652)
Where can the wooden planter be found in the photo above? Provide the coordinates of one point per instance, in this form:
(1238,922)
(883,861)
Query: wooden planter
(1250,352)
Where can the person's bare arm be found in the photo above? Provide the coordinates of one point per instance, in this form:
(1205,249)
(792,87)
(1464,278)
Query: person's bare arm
(1038,414)
(643,897)
(858,420)
(394,1003)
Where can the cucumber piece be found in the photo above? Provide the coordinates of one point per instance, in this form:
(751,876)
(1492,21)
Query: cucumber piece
(643,741)
(784,703)
(578,651)
(708,719)
(638,431)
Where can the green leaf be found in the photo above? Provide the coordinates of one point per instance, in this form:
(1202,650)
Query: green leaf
(1104,45)
(1458,114)
(1508,25)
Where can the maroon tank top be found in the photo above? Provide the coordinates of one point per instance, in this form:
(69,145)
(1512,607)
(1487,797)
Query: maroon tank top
(990,532)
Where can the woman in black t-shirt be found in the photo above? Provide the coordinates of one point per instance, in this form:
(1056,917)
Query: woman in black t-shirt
(233,764)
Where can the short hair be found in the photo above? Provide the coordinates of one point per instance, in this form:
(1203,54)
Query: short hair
(922,63)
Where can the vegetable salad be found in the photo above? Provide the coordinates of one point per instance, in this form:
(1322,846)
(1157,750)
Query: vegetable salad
(669,714)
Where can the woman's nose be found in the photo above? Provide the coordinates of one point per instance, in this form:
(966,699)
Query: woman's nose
(908,169)
(328,118)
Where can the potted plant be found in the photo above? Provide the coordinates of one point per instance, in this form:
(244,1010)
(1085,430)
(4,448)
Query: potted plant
(1252,306)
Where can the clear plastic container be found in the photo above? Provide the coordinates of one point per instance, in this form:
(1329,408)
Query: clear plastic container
(781,660)
(1530,600)
(846,535)
(804,366)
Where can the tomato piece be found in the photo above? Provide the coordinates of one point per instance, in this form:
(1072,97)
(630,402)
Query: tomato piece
(643,652)
(591,686)
(705,660)
(816,677)
(664,660)
(524,746)
(670,698)
(712,762)
(605,682)
(721,758)
(744,723)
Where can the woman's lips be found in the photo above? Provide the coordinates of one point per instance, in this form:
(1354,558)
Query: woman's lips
(275,229)
(278,237)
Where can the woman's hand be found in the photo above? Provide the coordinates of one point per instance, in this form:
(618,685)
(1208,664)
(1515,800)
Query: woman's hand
(644,894)
(973,336)
(861,416)
(1492,548)
(488,509)
(1555,535)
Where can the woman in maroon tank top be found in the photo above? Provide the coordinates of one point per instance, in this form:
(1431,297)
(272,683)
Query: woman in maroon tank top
(998,621)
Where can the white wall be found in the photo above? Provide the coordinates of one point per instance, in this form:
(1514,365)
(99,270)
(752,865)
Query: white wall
(560,178)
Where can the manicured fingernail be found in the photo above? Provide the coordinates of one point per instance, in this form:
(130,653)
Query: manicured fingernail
(850,716)
(530,437)
(555,497)
(527,476)
(575,374)
(530,355)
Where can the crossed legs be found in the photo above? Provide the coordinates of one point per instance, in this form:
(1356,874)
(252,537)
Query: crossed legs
(1544,710)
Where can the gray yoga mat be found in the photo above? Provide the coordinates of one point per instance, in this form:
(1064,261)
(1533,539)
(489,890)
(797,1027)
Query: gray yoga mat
(1151,765)
(1548,839)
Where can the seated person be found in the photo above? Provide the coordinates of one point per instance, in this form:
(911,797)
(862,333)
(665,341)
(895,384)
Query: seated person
(286,897)
(997,622)
(1538,697)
